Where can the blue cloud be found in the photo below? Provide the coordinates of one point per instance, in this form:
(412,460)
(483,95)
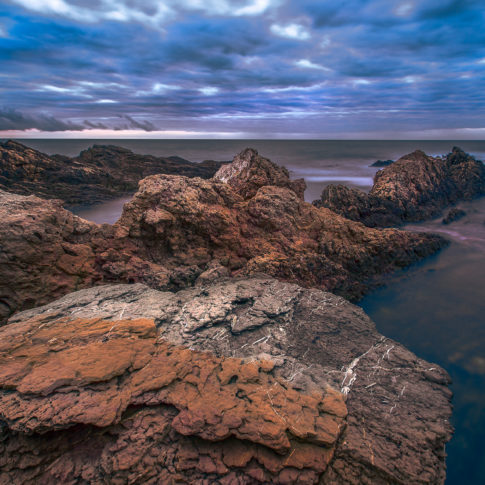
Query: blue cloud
(264,65)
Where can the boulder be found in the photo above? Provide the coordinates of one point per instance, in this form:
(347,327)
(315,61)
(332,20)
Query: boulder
(243,381)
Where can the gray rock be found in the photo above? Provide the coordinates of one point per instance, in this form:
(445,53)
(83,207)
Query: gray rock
(399,405)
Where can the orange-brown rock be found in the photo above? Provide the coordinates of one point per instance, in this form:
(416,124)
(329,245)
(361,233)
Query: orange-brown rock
(191,223)
(242,381)
(193,414)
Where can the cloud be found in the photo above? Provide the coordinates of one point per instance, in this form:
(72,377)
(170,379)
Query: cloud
(291,31)
(306,64)
(133,65)
(141,125)
(11,119)
(209,90)
(152,13)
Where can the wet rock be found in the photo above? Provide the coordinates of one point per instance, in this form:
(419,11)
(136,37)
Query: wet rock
(414,188)
(453,215)
(382,163)
(242,381)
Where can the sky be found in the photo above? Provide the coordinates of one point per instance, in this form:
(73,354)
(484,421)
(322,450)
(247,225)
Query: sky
(316,69)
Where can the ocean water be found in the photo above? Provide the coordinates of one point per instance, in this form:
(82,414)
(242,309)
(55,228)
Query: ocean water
(435,308)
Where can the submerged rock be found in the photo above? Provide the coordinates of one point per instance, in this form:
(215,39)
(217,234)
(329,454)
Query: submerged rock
(179,229)
(382,163)
(414,188)
(453,215)
(245,381)
(98,173)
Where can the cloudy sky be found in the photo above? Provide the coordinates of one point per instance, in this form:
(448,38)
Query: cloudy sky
(234,68)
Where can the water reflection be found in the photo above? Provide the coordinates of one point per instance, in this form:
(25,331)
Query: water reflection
(106,212)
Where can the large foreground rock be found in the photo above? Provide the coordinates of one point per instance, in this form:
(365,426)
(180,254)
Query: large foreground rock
(415,188)
(180,231)
(98,173)
(246,381)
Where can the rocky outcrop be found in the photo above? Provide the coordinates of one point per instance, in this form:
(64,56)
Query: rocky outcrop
(179,231)
(414,188)
(99,173)
(45,252)
(244,381)
(249,171)
(191,223)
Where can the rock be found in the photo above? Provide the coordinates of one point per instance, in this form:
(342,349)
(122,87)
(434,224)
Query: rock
(453,215)
(242,381)
(99,173)
(248,172)
(45,252)
(179,231)
(182,222)
(382,163)
(414,188)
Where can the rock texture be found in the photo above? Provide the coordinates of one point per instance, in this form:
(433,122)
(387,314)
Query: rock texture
(45,252)
(179,231)
(244,381)
(99,173)
(414,188)
(192,223)
(248,172)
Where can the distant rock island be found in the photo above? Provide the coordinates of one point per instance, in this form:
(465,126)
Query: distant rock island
(197,340)
(99,173)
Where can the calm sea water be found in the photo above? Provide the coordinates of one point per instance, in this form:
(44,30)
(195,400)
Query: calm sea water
(436,308)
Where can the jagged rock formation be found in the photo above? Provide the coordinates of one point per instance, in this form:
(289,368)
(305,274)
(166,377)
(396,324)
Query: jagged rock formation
(244,381)
(414,188)
(248,172)
(99,173)
(178,229)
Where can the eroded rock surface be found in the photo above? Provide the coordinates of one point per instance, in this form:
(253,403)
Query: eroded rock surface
(179,229)
(414,188)
(45,252)
(243,381)
(192,223)
(98,173)
(249,171)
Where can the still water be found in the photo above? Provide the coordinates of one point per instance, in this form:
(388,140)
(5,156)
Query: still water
(436,308)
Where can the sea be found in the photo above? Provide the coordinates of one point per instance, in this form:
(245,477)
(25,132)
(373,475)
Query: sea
(436,308)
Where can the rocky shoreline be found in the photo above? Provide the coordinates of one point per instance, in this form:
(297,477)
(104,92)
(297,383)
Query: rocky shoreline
(222,357)
(99,173)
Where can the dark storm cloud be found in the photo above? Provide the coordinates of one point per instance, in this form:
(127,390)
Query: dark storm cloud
(11,119)
(235,65)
